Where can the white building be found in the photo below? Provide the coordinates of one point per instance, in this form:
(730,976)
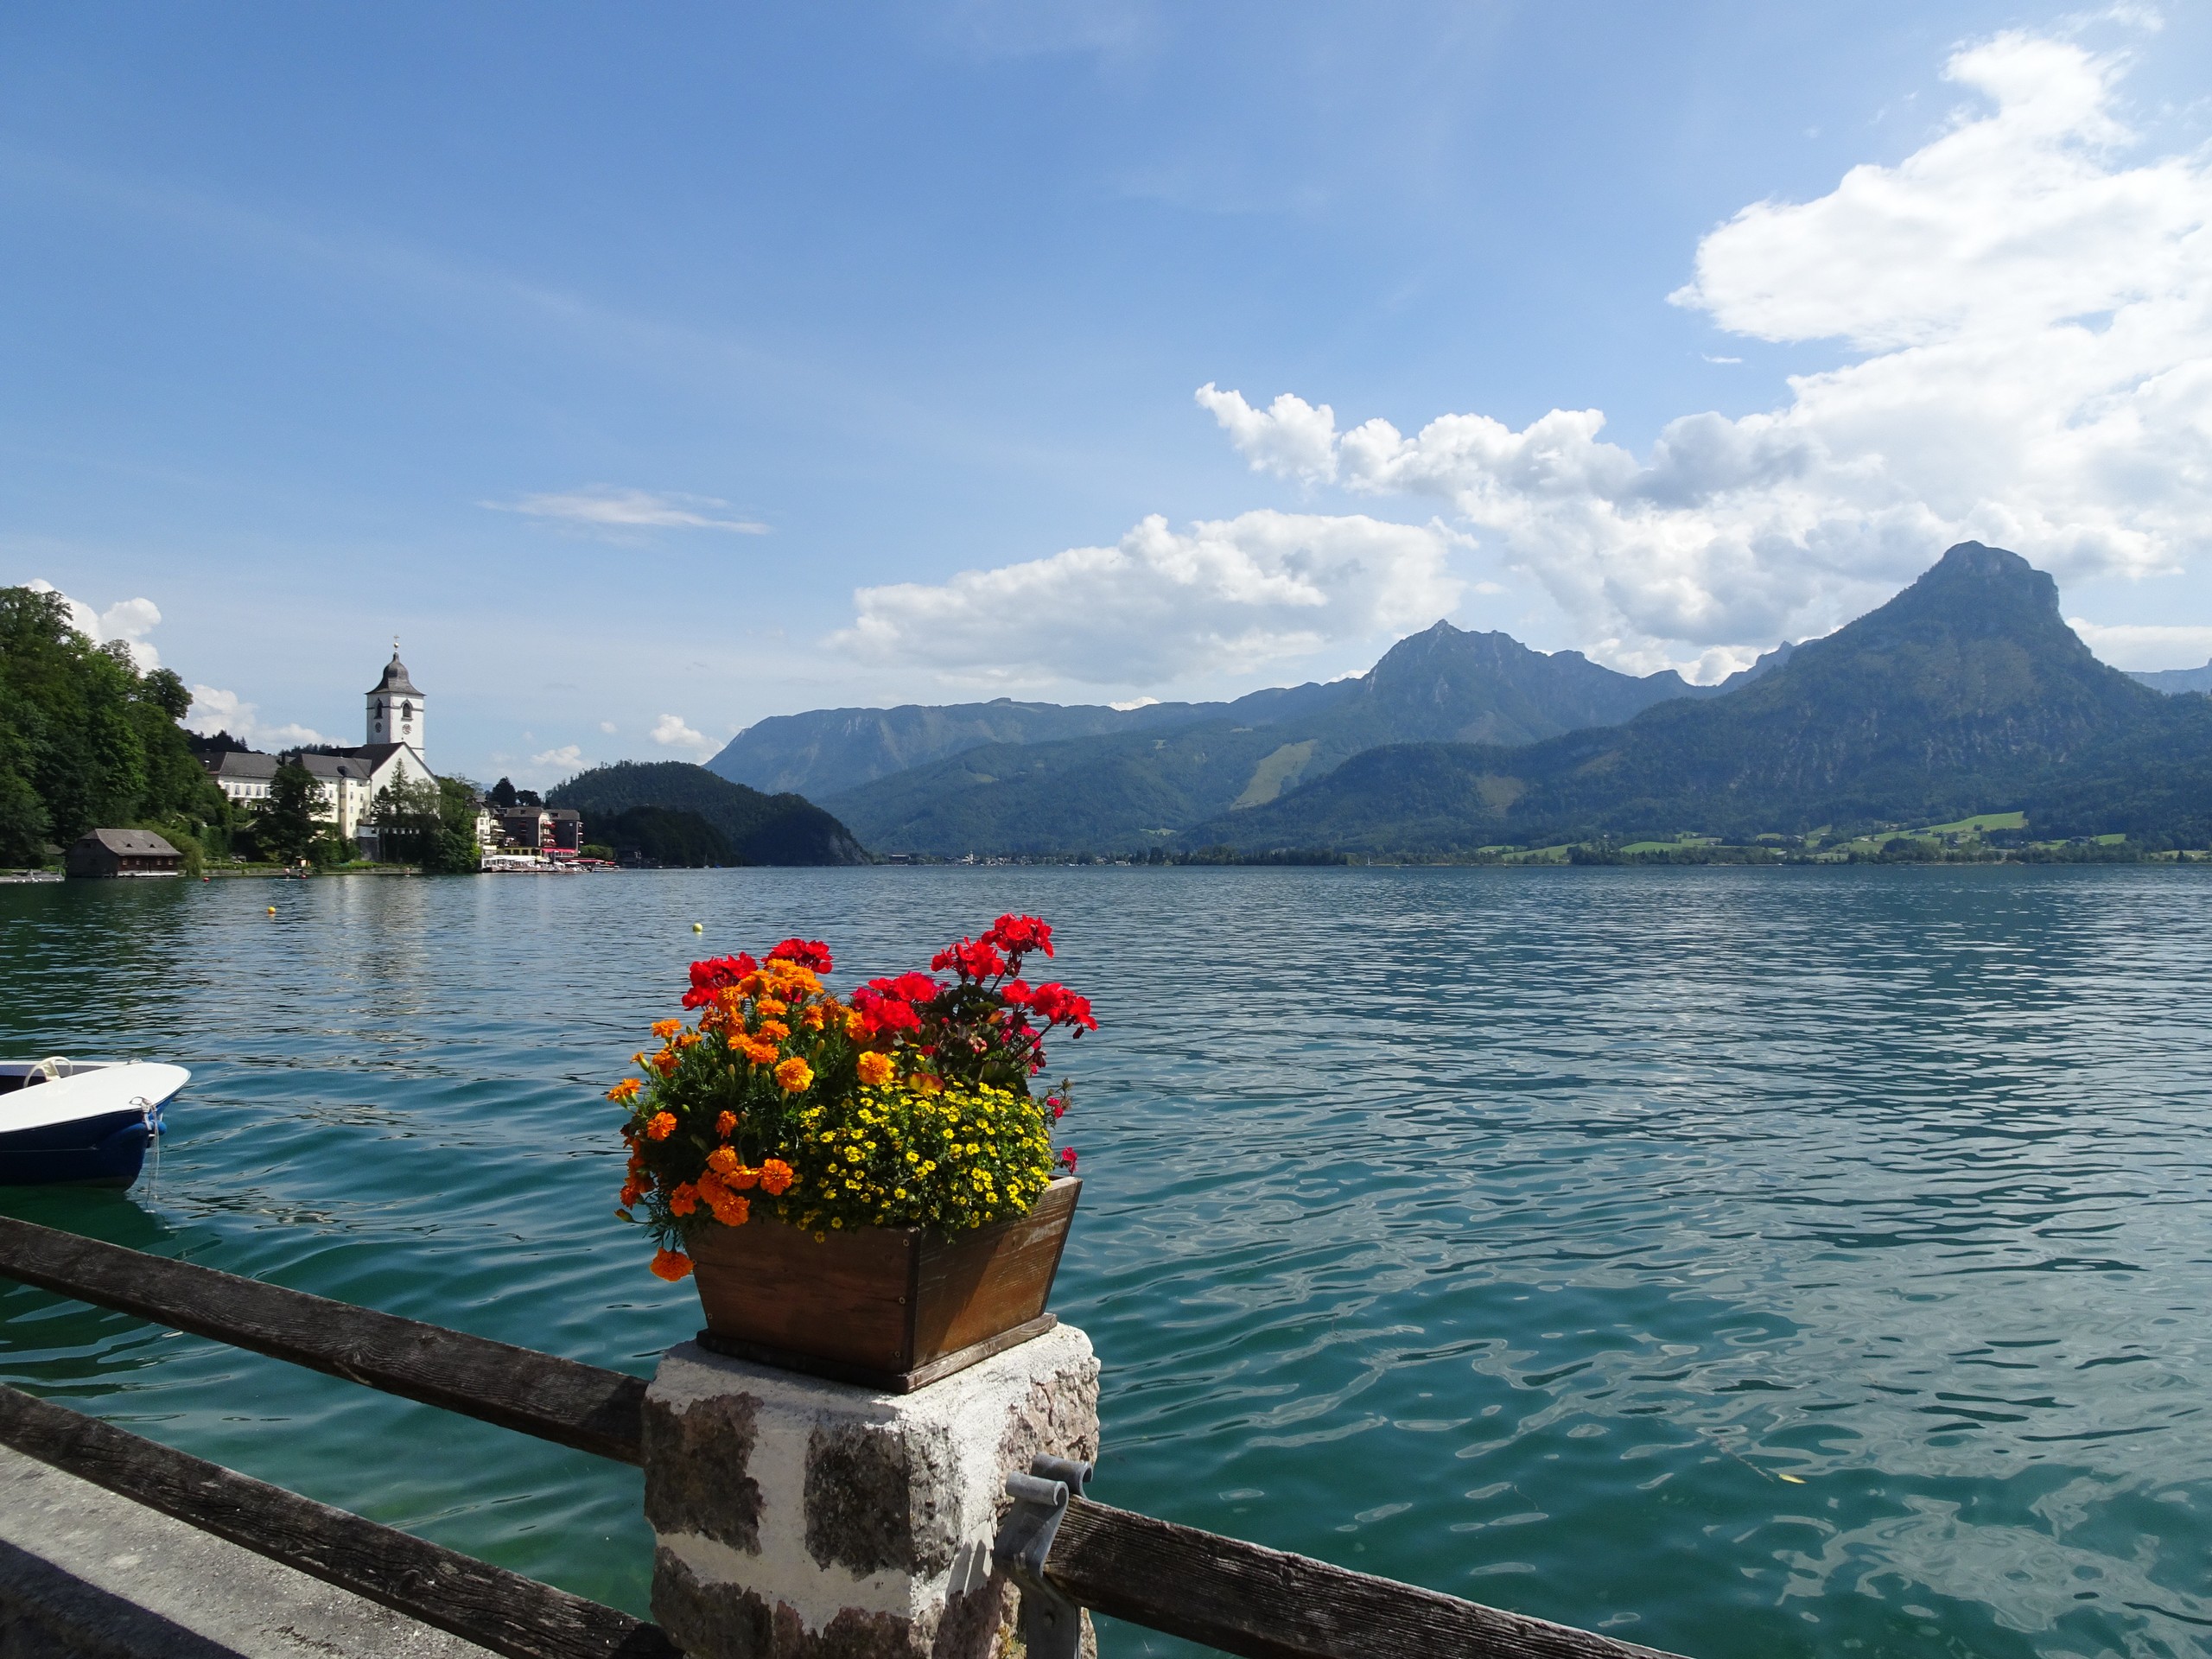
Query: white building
(394,723)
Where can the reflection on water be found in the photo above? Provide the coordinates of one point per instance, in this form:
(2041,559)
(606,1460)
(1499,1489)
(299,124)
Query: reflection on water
(1747,1262)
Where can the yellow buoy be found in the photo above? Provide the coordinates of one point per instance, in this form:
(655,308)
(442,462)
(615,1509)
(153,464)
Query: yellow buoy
(698,927)
(272,910)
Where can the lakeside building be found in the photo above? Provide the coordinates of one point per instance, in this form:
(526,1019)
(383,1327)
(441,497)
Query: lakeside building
(555,831)
(124,852)
(395,723)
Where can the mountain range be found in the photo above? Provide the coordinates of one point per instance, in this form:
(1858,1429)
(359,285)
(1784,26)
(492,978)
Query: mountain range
(1966,693)
(1034,778)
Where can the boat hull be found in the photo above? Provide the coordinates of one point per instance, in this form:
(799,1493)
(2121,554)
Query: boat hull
(105,1150)
(80,1122)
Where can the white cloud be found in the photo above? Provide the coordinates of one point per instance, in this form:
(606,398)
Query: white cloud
(671,732)
(1160,604)
(213,710)
(606,725)
(2030,317)
(2146,645)
(1290,437)
(567,758)
(605,509)
(129,621)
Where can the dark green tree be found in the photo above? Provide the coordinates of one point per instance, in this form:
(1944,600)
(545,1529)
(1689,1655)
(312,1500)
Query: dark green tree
(286,823)
(430,824)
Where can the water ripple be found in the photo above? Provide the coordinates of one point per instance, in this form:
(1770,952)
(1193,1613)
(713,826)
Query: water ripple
(1752,1262)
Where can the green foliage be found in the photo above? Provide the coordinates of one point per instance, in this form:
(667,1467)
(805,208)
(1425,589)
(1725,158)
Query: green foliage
(758,829)
(86,741)
(432,825)
(285,825)
(660,834)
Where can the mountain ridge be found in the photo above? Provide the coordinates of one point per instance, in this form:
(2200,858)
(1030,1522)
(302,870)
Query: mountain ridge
(1139,787)
(1965,688)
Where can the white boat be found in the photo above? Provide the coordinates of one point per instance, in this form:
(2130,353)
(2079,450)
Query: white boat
(86,1122)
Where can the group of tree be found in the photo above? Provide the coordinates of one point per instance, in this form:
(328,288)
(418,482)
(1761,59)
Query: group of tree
(89,740)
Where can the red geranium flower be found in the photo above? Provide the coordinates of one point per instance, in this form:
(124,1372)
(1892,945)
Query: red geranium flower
(808,953)
(708,977)
(1020,934)
(1058,1006)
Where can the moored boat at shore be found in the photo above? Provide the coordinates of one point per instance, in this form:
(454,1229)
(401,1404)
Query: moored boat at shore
(82,1122)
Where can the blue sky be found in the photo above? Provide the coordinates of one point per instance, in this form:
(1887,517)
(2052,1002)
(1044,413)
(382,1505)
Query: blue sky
(604,355)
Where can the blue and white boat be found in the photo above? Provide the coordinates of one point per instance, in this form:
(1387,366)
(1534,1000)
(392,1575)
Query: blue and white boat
(83,1122)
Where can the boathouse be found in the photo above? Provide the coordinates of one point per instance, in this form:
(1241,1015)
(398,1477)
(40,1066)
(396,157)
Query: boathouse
(124,852)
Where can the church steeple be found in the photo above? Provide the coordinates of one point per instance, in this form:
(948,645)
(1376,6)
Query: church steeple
(395,706)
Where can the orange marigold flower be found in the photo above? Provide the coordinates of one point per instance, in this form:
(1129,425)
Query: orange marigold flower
(876,1069)
(665,1029)
(632,1190)
(794,1075)
(813,1019)
(670,1265)
(683,1200)
(661,1125)
(722,1162)
(856,1024)
(664,1062)
(689,1040)
(726,1125)
(774,1030)
(625,1090)
(741,1178)
(776,1176)
(769,1008)
(732,1211)
(761,1053)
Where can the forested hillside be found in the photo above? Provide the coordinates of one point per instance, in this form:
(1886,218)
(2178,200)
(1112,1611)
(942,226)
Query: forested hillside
(758,829)
(86,741)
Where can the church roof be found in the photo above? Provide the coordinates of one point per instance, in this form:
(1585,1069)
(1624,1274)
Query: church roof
(395,678)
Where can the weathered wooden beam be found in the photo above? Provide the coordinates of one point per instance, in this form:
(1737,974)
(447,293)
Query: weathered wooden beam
(486,1604)
(1263,1604)
(583,1405)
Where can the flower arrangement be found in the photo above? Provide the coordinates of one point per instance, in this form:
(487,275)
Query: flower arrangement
(908,1103)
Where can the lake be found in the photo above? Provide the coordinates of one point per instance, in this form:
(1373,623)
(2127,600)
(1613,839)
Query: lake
(1742,1262)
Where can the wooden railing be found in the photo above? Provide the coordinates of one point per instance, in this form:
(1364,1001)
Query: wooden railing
(1239,1597)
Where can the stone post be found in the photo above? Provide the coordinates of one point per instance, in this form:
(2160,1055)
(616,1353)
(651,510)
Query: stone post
(799,1519)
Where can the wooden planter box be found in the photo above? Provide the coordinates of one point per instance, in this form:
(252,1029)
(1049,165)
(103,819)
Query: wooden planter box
(890,1308)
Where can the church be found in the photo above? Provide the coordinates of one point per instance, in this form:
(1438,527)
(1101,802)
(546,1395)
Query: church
(394,724)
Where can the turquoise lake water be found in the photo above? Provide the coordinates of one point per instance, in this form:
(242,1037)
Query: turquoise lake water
(1746,1262)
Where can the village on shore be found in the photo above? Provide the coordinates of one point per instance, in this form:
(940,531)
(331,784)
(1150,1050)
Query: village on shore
(348,796)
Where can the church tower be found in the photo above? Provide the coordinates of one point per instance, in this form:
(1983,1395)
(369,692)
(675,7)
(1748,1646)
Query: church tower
(396,708)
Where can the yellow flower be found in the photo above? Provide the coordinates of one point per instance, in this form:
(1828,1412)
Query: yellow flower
(793,1076)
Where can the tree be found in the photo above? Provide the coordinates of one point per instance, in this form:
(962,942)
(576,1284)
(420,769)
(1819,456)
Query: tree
(432,824)
(286,823)
(503,793)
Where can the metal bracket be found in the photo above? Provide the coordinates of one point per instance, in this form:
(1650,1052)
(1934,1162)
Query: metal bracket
(1051,1625)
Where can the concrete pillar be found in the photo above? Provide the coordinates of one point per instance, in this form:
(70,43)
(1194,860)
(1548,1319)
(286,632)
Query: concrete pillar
(799,1519)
